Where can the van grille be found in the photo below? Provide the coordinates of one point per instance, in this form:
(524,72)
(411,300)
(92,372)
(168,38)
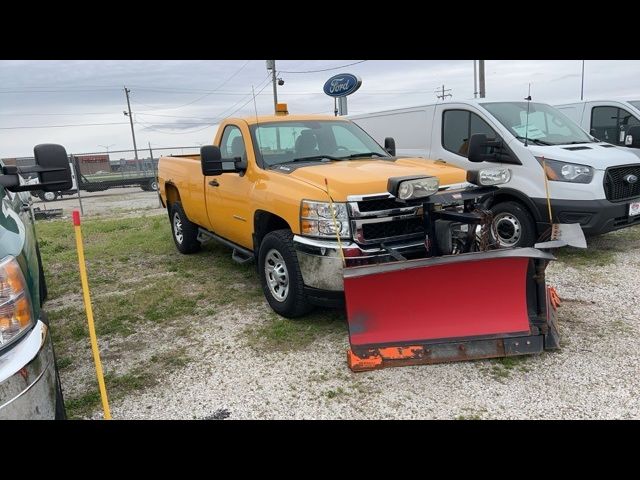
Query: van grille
(616,188)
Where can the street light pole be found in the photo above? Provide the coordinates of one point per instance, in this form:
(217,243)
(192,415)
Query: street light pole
(271,65)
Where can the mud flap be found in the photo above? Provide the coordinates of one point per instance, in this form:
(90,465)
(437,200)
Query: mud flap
(458,307)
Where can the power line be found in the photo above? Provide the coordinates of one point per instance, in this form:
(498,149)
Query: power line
(62,126)
(219,119)
(56,114)
(213,91)
(325,69)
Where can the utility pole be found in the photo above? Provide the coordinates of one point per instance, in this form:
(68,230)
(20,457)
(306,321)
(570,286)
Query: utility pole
(443,93)
(475,81)
(481,78)
(271,65)
(133,133)
(582,86)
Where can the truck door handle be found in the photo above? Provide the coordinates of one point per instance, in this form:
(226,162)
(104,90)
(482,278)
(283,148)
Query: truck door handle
(214,183)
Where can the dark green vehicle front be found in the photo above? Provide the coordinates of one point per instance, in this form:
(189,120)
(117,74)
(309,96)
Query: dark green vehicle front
(29,382)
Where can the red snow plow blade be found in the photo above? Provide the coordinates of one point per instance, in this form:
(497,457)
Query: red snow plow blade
(450,308)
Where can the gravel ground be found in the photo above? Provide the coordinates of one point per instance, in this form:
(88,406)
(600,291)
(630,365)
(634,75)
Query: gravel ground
(595,375)
(112,202)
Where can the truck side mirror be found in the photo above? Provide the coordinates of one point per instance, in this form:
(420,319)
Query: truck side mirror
(632,139)
(390,146)
(53,168)
(212,162)
(478,147)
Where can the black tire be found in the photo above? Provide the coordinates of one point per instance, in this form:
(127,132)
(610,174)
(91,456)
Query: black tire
(186,239)
(514,225)
(49,196)
(42,281)
(293,302)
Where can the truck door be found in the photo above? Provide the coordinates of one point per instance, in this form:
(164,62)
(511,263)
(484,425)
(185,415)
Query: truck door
(228,205)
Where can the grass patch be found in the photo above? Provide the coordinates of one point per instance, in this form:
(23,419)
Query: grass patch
(283,334)
(335,393)
(139,282)
(585,258)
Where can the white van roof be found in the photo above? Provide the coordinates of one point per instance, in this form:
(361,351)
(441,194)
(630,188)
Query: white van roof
(471,102)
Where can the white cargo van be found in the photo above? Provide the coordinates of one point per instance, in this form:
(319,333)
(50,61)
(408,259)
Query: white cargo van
(590,182)
(608,120)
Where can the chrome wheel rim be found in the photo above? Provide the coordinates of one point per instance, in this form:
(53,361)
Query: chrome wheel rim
(177,228)
(154,185)
(508,228)
(48,196)
(277,275)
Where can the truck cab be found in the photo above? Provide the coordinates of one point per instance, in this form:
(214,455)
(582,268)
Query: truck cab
(608,120)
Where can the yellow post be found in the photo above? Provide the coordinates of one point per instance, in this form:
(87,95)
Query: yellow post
(89,309)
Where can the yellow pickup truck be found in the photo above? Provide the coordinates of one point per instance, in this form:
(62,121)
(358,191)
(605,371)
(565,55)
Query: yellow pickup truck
(265,188)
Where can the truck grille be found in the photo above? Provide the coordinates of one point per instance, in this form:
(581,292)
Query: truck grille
(374,205)
(396,228)
(616,188)
(379,218)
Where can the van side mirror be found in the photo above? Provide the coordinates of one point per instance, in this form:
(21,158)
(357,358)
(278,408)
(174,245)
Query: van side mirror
(390,146)
(54,171)
(479,145)
(213,164)
(632,139)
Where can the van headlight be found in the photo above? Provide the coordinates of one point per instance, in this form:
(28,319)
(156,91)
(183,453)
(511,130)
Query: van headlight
(316,219)
(16,312)
(411,188)
(566,172)
(489,176)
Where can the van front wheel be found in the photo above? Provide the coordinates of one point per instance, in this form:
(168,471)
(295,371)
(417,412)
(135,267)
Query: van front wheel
(514,225)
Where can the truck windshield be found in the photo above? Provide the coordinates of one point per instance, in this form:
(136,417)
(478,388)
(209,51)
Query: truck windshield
(546,125)
(309,140)
(636,104)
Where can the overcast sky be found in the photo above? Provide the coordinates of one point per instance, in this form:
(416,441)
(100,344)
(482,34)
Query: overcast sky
(180,102)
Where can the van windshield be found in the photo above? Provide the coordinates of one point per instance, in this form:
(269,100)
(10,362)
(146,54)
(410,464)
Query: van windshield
(313,140)
(546,125)
(636,103)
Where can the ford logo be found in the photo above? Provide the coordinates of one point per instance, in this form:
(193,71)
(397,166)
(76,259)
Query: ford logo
(342,85)
(630,179)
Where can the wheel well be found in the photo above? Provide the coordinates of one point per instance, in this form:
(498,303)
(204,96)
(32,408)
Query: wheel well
(265,222)
(172,194)
(501,197)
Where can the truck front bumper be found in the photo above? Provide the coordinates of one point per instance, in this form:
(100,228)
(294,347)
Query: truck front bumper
(321,264)
(594,216)
(28,378)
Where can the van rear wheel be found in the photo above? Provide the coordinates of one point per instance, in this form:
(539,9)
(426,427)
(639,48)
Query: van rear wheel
(514,225)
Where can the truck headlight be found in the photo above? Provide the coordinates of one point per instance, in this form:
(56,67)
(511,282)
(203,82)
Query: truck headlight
(316,219)
(410,188)
(489,176)
(566,172)
(16,313)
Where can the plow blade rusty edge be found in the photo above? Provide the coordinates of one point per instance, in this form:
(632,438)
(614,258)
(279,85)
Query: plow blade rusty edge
(458,307)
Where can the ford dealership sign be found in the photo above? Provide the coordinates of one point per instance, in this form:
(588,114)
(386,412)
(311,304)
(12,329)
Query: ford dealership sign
(342,85)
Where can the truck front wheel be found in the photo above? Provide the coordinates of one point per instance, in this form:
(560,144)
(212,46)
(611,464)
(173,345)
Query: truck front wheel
(280,275)
(514,225)
(185,232)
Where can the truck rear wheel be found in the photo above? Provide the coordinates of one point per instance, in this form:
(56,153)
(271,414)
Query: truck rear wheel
(514,225)
(185,232)
(280,275)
